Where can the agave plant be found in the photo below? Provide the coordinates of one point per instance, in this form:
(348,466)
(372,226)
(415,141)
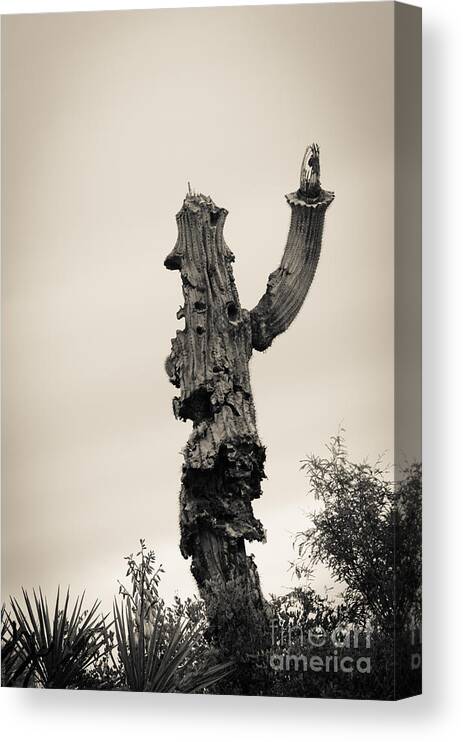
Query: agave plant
(161,657)
(56,649)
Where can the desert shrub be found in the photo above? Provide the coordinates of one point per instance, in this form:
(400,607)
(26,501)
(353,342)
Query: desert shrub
(368,532)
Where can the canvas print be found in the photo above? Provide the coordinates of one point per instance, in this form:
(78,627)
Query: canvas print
(211,391)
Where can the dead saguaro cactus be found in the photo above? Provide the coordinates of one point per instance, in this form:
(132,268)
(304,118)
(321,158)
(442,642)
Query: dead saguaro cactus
(209,364)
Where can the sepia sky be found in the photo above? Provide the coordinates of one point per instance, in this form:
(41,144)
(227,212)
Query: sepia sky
(106,117)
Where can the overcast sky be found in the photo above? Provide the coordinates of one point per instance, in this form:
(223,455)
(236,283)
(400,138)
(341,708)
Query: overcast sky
(107,117)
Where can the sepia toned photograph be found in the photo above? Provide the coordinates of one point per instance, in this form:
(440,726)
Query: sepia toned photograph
(211,327)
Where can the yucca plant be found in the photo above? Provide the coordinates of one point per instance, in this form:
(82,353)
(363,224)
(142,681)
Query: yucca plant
(58,649)
(158,650)
(163,658)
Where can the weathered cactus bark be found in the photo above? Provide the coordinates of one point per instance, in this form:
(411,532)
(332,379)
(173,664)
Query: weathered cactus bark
(209,363)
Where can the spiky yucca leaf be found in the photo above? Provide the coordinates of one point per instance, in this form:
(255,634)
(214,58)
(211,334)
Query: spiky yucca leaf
(62,645)
(158,662)
(16,670)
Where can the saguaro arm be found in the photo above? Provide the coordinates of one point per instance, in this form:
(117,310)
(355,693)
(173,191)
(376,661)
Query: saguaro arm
(287,287)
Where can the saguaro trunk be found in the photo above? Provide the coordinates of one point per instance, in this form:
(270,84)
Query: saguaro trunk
(209,363)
